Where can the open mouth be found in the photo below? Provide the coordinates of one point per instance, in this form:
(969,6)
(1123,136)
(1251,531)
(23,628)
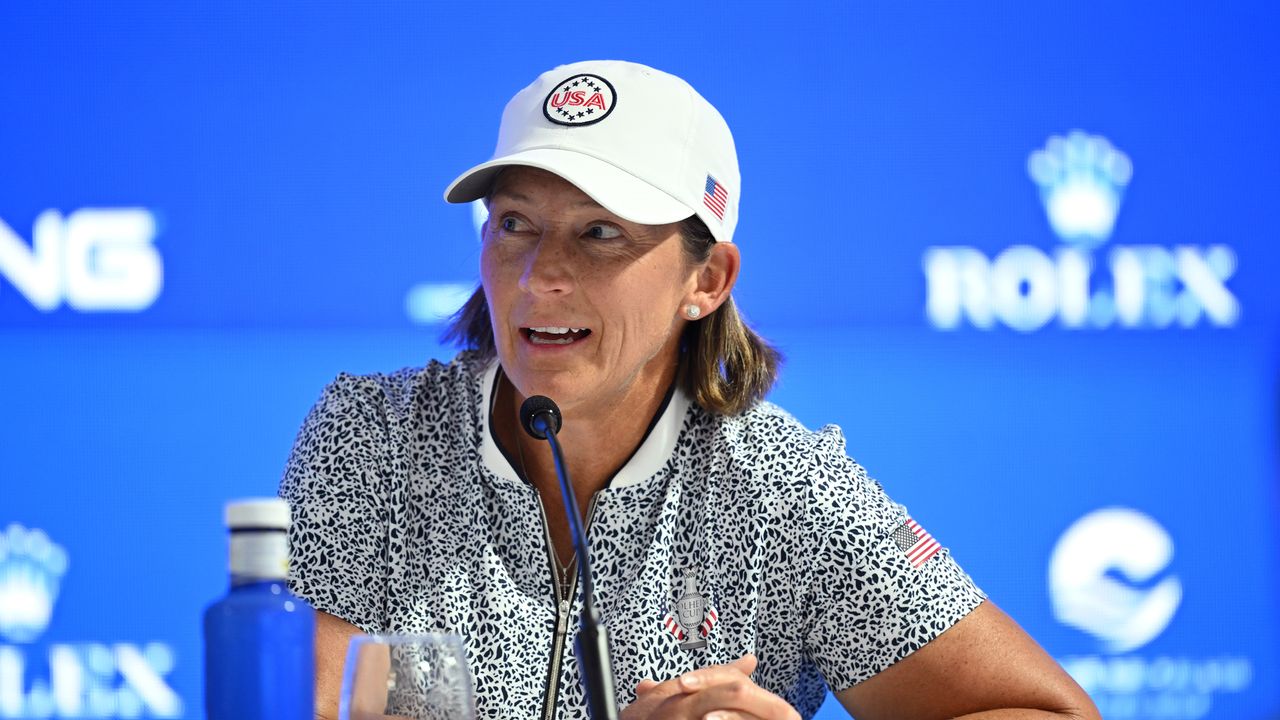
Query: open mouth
(554,335)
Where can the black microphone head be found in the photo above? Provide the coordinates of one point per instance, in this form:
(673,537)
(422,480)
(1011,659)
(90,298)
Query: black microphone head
(539,405)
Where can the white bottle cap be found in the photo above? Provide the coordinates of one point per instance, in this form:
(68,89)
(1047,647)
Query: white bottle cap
(261,513)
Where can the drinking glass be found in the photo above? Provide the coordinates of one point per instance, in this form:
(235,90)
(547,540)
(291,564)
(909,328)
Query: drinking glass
(406,677)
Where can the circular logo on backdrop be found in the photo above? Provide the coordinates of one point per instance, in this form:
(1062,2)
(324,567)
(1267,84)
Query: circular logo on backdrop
(580,100)
(1107,577)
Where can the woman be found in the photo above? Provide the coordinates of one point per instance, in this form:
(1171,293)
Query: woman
(742,563)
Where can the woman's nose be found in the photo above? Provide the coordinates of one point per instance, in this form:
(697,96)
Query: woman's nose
(548,266)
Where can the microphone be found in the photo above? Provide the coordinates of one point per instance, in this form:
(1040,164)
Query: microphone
(543,409)
(540,417)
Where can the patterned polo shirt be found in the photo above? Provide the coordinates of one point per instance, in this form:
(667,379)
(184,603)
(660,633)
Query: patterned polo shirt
(720,536)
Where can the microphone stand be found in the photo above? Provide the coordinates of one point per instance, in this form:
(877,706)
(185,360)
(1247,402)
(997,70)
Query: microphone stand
(592,642)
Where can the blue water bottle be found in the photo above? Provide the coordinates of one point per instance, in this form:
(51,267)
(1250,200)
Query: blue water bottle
(259,639)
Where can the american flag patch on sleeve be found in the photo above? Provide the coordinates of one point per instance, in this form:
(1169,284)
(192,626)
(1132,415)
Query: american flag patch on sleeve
(915,542)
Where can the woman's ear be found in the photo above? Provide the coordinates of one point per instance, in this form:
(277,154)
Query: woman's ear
(716,278)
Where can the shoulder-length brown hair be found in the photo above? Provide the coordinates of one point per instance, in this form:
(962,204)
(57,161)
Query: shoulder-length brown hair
(728,366)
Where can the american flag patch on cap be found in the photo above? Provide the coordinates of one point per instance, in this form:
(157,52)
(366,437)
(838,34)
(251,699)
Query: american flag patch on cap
(715,197)
(915,542)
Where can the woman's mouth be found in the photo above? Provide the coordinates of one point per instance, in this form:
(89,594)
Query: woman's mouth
(551,335)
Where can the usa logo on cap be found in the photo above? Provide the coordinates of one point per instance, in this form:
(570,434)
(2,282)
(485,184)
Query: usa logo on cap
(582,99)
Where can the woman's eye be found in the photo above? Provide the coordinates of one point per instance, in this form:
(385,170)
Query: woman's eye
(604,232)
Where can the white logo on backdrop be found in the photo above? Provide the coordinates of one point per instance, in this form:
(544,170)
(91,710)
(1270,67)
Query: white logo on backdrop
(82,680)
(1110,576)
(1095,573)
(1082,179)
(94,259)
(31,568)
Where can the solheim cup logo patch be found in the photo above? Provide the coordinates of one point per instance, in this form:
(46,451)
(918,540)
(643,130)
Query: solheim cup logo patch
(691,617)
(582,99)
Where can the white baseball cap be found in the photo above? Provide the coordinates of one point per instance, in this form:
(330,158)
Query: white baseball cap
(642,143)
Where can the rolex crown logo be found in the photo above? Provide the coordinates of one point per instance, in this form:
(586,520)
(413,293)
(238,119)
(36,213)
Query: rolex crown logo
(31,569)
(1082,180)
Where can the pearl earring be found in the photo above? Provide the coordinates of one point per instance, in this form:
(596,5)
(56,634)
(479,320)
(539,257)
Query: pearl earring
(694,311)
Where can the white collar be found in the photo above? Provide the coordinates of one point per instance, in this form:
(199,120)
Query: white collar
(653,453)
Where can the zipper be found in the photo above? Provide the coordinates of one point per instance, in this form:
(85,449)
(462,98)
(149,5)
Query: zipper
(563,605)
(557,654)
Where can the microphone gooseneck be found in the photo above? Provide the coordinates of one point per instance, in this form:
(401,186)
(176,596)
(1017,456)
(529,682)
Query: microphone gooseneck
(540,417)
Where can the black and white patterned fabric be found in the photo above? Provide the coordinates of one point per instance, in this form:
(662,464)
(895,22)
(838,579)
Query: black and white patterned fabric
(408,518)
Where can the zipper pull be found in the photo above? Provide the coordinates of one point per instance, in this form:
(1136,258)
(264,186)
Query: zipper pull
(563,622)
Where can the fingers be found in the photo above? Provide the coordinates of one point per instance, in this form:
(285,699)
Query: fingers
(727,695)
(718,692)
(739,669)
(746,664)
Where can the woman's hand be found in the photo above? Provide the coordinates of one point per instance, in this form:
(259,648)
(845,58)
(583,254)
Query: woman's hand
(719,692)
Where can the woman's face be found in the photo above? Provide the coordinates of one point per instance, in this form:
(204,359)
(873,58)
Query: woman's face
(552,260)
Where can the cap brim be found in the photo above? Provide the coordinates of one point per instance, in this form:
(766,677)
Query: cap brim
(618,191)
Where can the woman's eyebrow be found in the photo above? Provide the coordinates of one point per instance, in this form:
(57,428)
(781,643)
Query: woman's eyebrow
(521,197)
(510,194)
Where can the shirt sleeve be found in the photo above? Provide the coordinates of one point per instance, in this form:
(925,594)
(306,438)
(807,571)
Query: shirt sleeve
(879,588)
(336,484)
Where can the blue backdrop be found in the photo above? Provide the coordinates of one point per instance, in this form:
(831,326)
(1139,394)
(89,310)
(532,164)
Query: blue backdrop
(1024,254)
